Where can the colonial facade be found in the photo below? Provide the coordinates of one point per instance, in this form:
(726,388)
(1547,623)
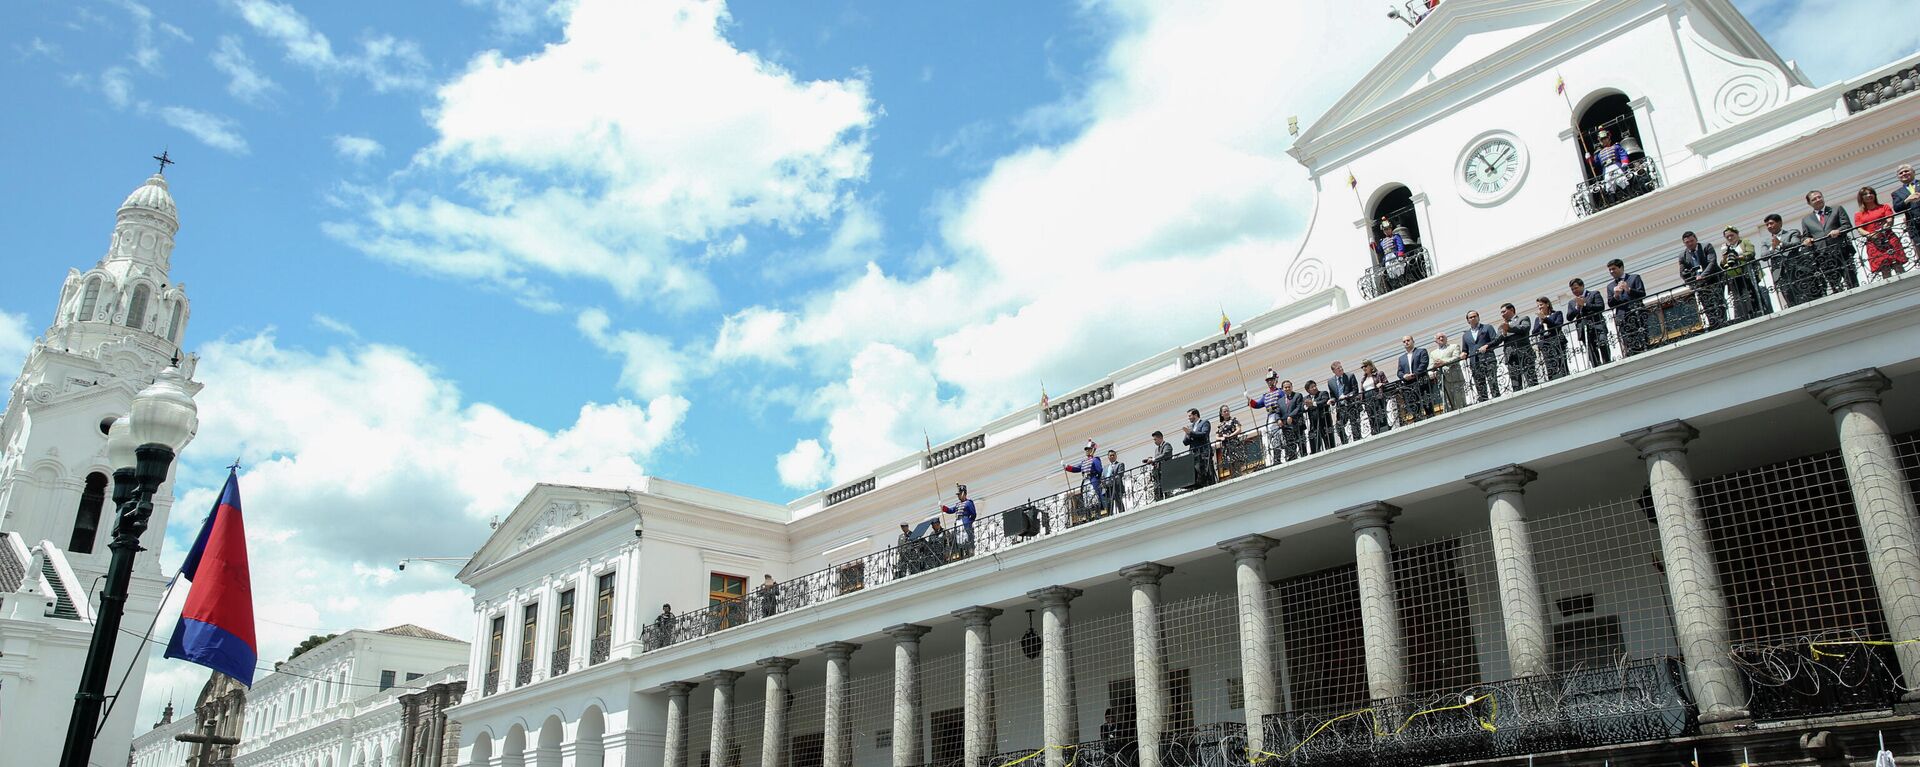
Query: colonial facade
(1687,525)
(339,704)
(115,328)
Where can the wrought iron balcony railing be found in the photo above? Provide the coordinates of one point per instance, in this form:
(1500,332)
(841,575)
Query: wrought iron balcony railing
(523,672)
(492,682)
(1602,192)
(1636,701)
(562,657)
(1397,273)
(1819,676)
(1521,358)
(599,649)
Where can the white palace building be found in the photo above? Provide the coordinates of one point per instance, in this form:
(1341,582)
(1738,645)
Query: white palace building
(1682,524)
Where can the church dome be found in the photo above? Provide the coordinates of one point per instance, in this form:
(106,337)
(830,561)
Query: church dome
(152,196)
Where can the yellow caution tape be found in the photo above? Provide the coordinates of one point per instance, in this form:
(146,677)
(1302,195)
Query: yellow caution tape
(1814,647)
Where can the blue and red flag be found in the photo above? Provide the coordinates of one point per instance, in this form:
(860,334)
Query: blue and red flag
(216,623)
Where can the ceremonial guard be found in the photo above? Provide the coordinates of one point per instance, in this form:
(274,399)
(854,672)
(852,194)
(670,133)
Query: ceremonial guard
(1272,401)
(963,510)
(1611,162)
(1092,490)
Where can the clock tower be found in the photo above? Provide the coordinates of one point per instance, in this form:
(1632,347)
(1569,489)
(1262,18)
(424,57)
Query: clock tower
(1479,132)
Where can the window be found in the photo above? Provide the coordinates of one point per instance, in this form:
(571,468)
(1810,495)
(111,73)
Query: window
(137,308)
(603,608)
(412,676)
(386,679)
(89,299)
(529,625)
(86,521)
(173,326)
(563,624)
(724,594)
(493,644)
(1393,233)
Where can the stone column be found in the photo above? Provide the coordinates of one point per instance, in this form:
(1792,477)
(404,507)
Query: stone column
(1522,611)
(1379,608)
(1060,713)
(1883,503)
(720,743)
(836,745)
(980,734)
(677,709)
(907,745)
(773,728)
(1257,635)
(1149,659)
(1693,584)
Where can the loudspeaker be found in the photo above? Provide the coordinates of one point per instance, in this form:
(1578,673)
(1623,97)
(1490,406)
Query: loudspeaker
(1178,473)
(1020,523)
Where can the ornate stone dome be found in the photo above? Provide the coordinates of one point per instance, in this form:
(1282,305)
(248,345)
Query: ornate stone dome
(152,196)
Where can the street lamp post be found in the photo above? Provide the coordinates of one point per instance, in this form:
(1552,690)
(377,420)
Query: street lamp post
(141,447)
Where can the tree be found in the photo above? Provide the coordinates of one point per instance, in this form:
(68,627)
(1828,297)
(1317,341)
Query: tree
(309,643)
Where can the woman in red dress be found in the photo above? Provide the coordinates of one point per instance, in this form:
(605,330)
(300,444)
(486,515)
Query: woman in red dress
(1885,256)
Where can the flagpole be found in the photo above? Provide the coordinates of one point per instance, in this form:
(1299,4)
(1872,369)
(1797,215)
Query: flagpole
(1560,84)
(1058,452)
(931,467)
(1233,349)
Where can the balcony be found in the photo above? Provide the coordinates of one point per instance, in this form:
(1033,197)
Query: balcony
(1381,279)
(1819,676)
(1518,363)
(523,672)
(562,657)
(492,682)
(1598,193)
(599,649)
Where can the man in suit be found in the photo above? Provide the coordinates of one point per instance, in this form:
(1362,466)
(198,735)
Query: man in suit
(1116,484)
(1794,272)
(1319,410)
(1906,202)
(1411,379)
(1625,296)
(1516,343)
(1547,340)
(1345,390)
(1162,453)
(1479,341)
(1198,440)
(1827,227)
(1588,313)
(1700,269)
(1293,421)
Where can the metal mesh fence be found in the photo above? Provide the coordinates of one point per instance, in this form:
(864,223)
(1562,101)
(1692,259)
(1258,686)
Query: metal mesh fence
(806,721)
(870,709)
(1104,687)
(1016,686)
(943,695)
(1436,584)
(749,723)
(1319,616)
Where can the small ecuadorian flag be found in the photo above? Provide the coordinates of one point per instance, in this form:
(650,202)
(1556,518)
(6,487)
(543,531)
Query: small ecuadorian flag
(1226,325)
(1560,85)
(1352,183)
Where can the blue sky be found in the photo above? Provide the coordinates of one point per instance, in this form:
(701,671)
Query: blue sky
(438,251)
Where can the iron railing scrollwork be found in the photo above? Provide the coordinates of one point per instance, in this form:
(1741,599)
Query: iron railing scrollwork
(562,657)
(599,649)
(492,682)
(523,672)
(1396,273)
(1819,676)
(1602,192)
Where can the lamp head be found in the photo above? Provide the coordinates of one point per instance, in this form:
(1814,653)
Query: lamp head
(164,413)
(120,444)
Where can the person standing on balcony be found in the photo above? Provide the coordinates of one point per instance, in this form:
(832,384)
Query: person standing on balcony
(1345,390)
(1612,163)
(1162,452)
(1625,295)
(1906,203)
(1116,481)
(663,626)
(1828,227)
(1748,296)
(1588,312)
(1232,455)
(769,595)
(1319,407)
(1411,379)
(1885,257)
(1088,467)
(1198,440)
(1479,341)
(963,510)
(1445,375)
(1373,395)
(1269,401)
(1547,340)
(1700,269)
(1392,251)
(1793,269)
(1293,420)
(1516,338)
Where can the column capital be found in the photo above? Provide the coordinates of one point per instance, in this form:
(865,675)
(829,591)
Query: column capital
(724,678)
(1511,478)
(1055,596)
(776,665)
(1248,546)
(977,615)
(1369,514)
(1661,437)
(1853,388)
(906,632)
(1145,573)
(838,650)
(679,689)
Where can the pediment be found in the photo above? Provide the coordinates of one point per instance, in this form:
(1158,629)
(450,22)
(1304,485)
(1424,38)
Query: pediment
(547,512)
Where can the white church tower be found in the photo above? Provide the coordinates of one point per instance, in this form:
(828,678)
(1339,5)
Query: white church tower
(115,328)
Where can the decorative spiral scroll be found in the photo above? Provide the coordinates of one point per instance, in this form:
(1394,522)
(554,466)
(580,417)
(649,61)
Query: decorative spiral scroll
(1743,96)
(1307,275)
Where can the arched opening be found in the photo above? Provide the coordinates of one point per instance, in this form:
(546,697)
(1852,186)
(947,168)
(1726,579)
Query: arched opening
(589,738)
(173,325)
(137,308)
(482,752)
(1613,160)
(86,521)
(1399,254)
(513,750)
(89,299)
(552,732)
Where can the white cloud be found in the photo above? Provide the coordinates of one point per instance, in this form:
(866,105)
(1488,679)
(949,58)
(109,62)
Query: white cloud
(805,466)
(387,63)
(117,85)
(649,365)
(336,325)
(514,18)
(15,341)
(213,130)
(244,80)
(148,33)
(360,455)
(357,148)
(701,140)
(1169,195)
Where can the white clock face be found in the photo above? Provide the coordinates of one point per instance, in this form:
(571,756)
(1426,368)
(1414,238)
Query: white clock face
(1491,167)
